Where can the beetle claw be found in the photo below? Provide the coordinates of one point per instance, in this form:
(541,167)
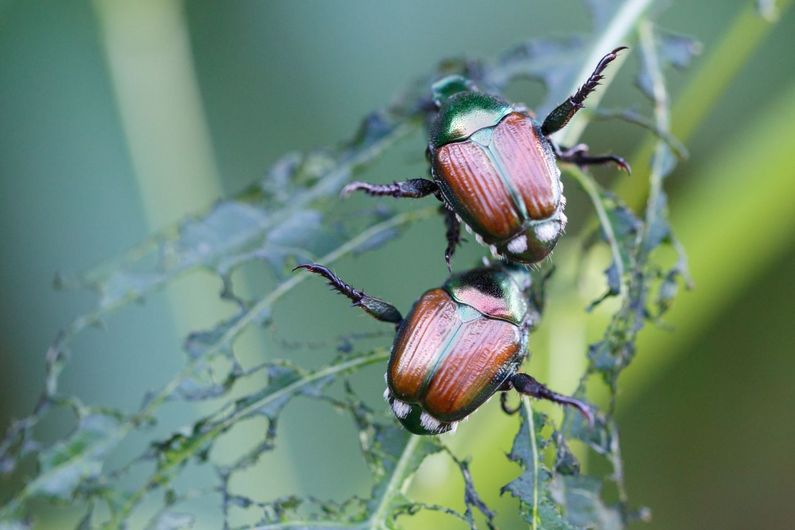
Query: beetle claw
(506,408)
(584,409)
(348,190)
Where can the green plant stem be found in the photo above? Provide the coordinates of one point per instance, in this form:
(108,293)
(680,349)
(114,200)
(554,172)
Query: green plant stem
(743,245)
(147,48)
(398,483)
(703,90)
(662,119)
(616,34)
(379,520)
(592,189)
(744,36)
(528,409)
(307,525)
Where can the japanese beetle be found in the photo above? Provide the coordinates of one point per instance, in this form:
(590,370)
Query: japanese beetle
(493,167)
(460,344)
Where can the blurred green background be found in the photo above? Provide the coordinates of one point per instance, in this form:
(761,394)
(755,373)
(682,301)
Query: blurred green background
(119,118)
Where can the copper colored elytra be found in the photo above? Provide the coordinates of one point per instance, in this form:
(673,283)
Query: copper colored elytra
(459,345)
(473,171)
(469,354)
(494,168)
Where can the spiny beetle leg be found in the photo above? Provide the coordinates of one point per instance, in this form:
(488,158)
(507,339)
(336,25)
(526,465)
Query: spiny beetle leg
(375,307)
(525,384)
(453,234)
(579,156)
(560,116)
(412,188)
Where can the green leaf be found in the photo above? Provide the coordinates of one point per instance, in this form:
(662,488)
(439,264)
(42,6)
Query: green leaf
(173,521)
(290,217)
(77,458)
(14,525)
(582,497)
(532,486)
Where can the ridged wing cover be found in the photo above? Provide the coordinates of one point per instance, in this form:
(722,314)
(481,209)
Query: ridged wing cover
(528,159)
(485,352)
(472,184)
(450,358)
(422,336)
(500,177)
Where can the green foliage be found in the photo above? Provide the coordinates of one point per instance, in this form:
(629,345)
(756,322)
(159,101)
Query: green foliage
(290,217)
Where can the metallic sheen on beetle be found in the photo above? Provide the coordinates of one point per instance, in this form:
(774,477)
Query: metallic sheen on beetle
(459,345)
(494,168)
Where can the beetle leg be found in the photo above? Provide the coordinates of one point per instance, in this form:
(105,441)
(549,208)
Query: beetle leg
(507,409)
(374,307)
(579,156)
(558,118)
(453,234)
(503,389)
(524,384)
(412,188)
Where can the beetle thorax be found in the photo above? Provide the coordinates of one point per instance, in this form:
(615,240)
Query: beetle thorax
(465,113)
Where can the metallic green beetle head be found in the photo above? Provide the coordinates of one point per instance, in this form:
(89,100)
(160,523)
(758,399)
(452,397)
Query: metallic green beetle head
(518,273)
(450,85)
(497,290)
(463,110)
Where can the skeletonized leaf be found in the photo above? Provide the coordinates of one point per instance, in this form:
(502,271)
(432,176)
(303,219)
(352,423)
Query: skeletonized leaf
(531,487)
(77,458)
